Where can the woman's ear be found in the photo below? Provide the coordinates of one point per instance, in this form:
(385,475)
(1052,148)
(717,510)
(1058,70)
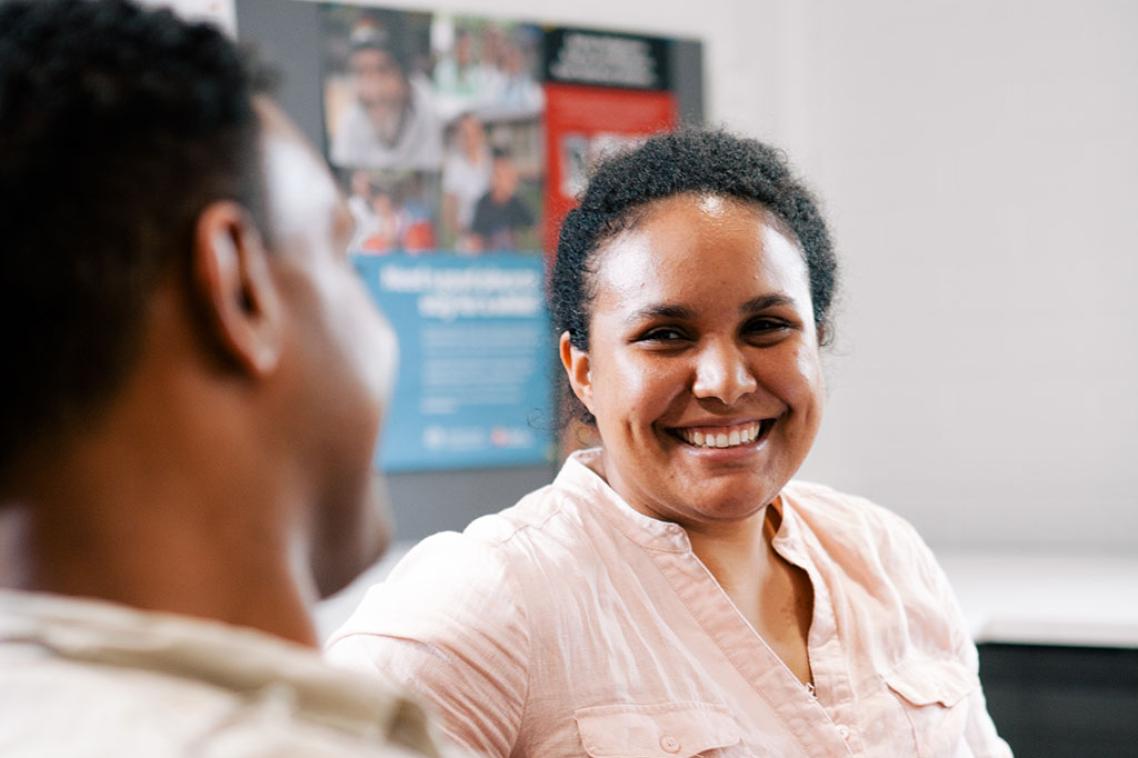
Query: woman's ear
(576,364)
(233,286)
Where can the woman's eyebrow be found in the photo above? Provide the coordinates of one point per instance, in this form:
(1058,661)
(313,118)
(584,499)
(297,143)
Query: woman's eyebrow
(661,310)
(763,302)
(683,312)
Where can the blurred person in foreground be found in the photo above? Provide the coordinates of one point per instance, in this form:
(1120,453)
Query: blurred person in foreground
(194,383)
(674,592)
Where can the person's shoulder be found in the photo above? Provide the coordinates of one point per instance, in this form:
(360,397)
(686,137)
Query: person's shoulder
(352,136)
(534,513)
(498,550)
(858,541)
(103,706)
(112,709)
(519,210)
(821,501)
(484,205)
(837,516)
(502,537)
(449,564)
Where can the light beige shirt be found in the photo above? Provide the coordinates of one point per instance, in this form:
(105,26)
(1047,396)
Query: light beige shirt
(86,678)
(573,625)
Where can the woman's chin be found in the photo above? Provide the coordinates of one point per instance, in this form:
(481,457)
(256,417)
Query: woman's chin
(728,507)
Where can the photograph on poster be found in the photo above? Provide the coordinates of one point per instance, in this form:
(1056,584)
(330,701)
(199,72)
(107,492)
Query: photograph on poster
(379,111)
(414,94)
(489,68)
(491,188)
(486,77)
(394,211)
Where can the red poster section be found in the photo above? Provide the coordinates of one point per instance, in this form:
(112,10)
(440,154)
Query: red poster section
(583,124)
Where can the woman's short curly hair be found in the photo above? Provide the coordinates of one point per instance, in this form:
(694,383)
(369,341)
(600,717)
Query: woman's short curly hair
(687,161)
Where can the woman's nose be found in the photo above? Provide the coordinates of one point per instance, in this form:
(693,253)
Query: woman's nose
(722,373)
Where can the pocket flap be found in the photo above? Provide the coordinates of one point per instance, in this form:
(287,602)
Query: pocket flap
(924,681)
(666,730)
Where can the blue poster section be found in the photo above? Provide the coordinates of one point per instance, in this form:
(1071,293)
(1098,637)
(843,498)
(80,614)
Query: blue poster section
(474,387)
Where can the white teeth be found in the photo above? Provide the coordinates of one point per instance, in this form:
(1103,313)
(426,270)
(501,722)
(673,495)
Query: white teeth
(744,434)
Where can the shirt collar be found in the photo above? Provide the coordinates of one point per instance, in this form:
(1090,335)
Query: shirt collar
(583,475)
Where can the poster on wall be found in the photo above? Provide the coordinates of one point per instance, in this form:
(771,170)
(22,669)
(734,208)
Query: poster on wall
(474,378)
(605,93)
(434,128)
(460,142)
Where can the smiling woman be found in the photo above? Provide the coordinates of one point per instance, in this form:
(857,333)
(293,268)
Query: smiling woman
(673,592)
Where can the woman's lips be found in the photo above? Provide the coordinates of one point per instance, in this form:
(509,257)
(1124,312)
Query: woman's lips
(734,435)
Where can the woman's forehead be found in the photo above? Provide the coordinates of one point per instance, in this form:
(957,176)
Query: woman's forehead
(699,247)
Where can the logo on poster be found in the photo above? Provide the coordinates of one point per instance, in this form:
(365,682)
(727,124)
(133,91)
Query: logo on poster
(605,60)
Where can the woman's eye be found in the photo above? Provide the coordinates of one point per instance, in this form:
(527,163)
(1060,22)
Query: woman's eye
(765,326)
(662,334)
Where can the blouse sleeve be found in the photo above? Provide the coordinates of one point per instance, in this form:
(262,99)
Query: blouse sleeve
(448,625)
(980,732)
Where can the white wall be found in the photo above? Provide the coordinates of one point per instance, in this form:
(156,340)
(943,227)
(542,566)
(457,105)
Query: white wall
(979,163)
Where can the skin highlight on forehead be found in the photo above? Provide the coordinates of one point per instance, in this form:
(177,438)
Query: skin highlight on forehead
(712,204)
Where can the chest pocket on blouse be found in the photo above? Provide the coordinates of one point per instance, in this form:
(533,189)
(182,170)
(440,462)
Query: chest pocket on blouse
(667,730)
(933,693)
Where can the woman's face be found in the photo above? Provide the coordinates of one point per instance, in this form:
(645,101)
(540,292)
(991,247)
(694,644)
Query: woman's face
(703,369)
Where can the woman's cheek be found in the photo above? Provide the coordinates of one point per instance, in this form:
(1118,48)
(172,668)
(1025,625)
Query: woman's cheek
(657,385)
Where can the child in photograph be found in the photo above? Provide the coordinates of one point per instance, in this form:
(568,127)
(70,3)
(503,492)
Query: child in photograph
(500,214)
(466,174)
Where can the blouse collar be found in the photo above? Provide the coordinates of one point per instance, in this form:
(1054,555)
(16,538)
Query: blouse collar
(583,475)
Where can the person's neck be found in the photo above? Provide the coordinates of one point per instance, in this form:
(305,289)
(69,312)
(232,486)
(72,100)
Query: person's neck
(389,121)
(170,574)
(475,154)
(737,554)
(172,516)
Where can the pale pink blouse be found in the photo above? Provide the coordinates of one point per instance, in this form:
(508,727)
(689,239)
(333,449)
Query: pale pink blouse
(573,625)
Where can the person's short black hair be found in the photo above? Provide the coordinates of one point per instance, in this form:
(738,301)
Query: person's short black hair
(687,161)
(381,39)
(118,125)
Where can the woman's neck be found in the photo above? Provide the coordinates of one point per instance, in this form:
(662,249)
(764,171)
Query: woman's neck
(737,554)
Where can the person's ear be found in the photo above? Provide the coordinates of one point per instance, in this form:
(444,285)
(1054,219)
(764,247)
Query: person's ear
(234,287)
(576,364)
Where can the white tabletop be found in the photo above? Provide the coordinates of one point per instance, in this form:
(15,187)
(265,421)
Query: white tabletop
(1055,598)
(1059,598)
